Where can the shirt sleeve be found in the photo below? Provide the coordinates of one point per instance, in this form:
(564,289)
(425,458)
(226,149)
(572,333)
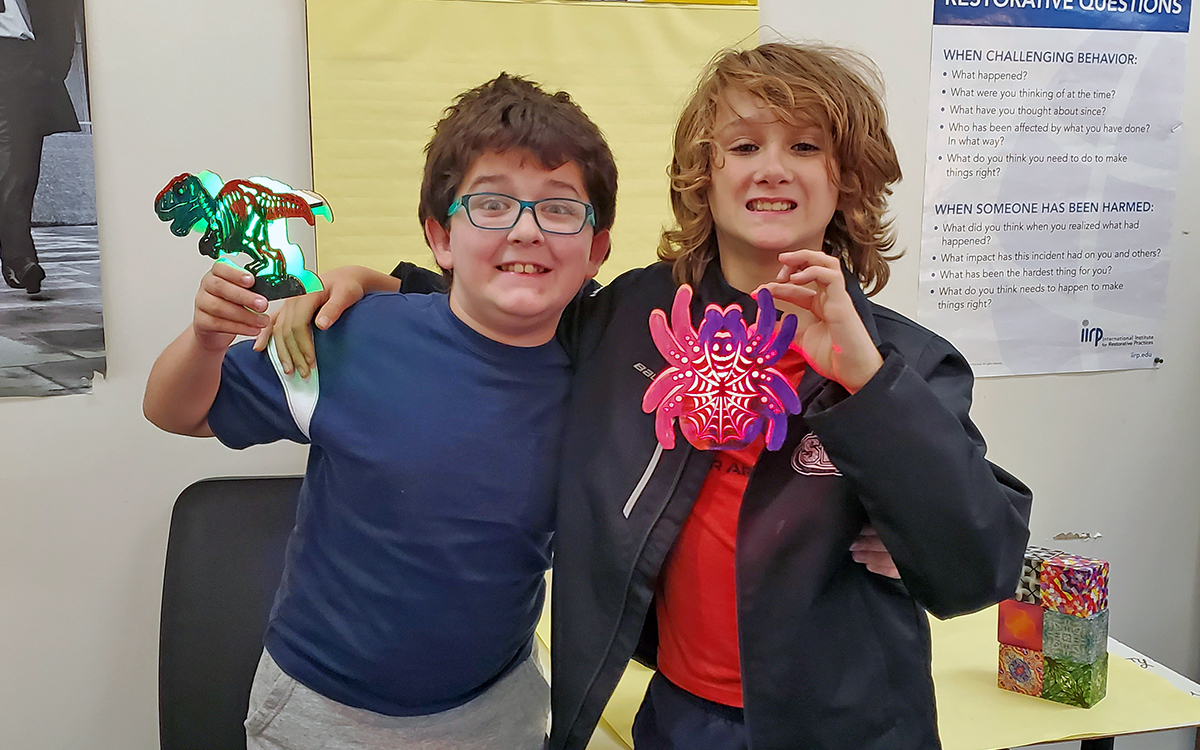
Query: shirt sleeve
(955,524)
(256,403)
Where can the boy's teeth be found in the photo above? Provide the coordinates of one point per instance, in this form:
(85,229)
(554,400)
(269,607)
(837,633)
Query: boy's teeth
(520,268)
(770,205)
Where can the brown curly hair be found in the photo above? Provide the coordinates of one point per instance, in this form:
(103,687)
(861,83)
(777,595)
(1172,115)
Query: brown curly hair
(833,88)
(513,113)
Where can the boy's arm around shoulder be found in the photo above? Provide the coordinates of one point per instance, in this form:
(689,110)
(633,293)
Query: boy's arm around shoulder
(184,380)
(291,324)
(955,524)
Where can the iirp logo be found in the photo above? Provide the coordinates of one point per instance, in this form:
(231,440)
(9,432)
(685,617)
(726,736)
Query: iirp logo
(1092,335)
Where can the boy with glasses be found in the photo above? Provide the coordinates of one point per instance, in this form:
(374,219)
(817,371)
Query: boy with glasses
(413,579)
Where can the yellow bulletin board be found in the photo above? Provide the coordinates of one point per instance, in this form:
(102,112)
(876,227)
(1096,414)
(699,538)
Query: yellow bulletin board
(382,71)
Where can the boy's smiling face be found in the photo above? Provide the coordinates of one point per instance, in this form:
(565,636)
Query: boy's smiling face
(772,188)
(511,285)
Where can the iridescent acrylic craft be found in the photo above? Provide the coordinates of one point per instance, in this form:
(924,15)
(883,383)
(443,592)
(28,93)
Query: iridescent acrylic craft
(246,216)
(720,383)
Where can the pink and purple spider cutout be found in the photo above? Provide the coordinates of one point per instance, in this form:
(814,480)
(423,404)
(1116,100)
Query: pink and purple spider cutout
(721,384)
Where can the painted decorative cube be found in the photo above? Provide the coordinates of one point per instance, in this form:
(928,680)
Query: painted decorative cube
(1074,585)
(1075,684)
(1082,640)
(1053,633)
(1021,670)
(1020,625)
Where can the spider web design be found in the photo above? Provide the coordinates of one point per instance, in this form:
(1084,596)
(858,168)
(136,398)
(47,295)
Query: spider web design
(721,384)
(722,393)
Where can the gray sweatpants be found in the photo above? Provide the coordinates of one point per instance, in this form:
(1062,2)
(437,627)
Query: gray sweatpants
(285,715)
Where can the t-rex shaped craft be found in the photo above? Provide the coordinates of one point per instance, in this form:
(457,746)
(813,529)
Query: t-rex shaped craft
(246,216)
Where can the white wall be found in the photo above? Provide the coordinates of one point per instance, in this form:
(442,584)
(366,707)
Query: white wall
(87,485)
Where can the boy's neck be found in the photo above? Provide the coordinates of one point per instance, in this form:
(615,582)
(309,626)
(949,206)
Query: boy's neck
(535,334)
(748,274)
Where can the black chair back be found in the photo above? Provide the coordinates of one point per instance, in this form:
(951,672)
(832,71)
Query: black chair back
(224,561)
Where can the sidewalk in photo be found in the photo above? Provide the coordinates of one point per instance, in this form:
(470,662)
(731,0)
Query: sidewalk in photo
(52,342)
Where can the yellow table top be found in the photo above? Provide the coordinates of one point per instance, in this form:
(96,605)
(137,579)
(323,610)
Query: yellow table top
(974,714)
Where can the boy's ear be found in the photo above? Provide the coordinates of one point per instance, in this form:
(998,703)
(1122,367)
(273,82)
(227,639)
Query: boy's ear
(601,245)
(438,238)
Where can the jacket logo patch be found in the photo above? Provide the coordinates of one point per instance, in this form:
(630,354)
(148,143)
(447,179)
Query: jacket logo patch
(811,459)
(644,370)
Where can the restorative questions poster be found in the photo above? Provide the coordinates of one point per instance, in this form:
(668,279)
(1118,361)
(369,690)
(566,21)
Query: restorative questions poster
(1053,147)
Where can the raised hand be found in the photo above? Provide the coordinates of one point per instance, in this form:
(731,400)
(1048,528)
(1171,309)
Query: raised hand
(225,307)
(831,336)
(184,380)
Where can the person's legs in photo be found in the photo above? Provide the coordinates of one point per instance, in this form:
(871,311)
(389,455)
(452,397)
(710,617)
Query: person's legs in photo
(20,164)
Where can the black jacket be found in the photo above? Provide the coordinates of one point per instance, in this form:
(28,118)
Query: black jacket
(832,655)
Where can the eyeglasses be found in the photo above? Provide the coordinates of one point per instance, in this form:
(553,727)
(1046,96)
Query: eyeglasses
(499,211)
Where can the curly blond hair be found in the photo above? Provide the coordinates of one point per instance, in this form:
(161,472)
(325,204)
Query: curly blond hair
(833,88)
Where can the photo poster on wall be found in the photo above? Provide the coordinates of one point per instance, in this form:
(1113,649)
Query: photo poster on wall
(1053,151)
(51,316)
(383,71)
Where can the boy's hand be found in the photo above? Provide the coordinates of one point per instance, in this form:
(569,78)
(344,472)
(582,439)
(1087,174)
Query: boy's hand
(290,324)
(221,307)
(868,550)
(831,336)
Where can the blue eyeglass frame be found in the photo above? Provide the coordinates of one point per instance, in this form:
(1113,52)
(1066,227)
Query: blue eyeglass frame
(589,217)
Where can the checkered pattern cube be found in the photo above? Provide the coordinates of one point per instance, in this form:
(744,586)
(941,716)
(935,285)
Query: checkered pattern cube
(1053,633)
(1029,588)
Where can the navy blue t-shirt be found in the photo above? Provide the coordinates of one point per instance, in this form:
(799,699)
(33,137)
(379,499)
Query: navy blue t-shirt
(413,578)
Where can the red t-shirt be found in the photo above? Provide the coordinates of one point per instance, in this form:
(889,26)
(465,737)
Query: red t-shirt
(696,601)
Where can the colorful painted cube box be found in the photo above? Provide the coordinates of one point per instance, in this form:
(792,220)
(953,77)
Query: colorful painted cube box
(1021,670)
(1074,585)
(1021,625)
(1075,684)
(1082,640)
(1053,633)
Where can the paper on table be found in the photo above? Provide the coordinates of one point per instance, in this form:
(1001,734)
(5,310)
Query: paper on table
(974,714)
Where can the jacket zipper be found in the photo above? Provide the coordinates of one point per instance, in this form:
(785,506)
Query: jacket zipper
(641,485)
